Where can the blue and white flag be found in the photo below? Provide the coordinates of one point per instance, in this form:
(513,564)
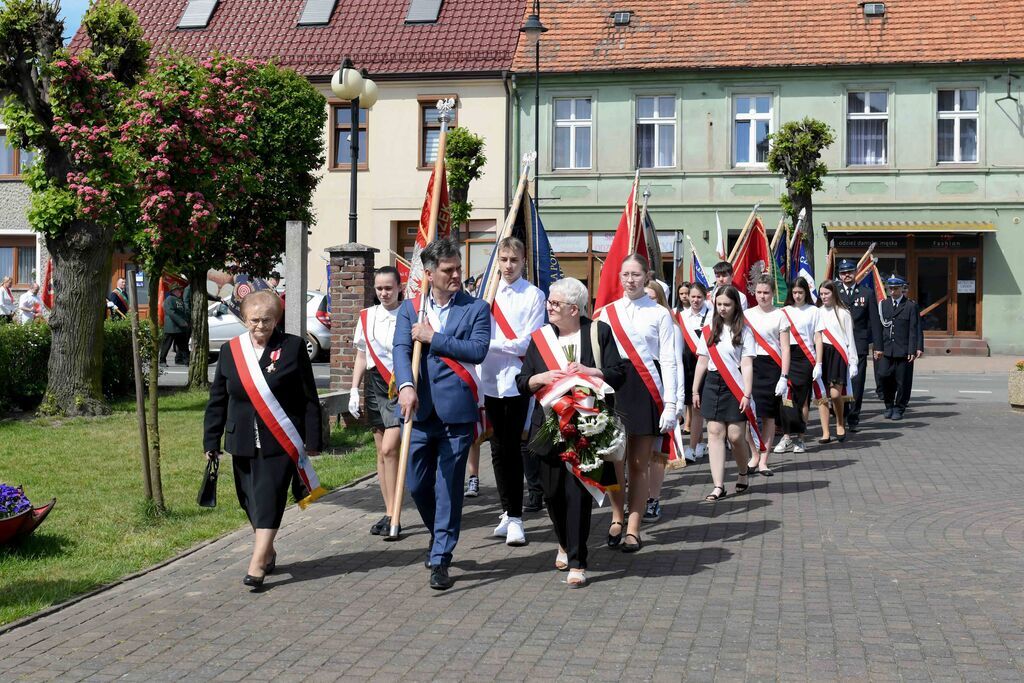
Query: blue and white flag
(805,270)
(545,268)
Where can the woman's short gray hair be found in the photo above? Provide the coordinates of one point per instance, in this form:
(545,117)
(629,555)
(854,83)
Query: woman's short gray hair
(574,291)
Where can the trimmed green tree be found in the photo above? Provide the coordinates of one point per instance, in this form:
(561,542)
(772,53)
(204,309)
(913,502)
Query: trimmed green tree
(464,158)
(795,153)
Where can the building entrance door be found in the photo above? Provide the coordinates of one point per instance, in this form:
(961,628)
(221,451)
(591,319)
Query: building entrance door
(947,293)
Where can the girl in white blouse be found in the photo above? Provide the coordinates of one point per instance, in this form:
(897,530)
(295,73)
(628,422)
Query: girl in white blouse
(693,319)
(734,342)
(771,366)
(802,317)
(642,329)
(374,361)
(838,359)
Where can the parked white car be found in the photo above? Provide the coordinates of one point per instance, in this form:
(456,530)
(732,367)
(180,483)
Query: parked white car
(225,325)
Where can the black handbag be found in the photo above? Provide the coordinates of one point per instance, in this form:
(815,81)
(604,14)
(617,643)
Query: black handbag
(207,497)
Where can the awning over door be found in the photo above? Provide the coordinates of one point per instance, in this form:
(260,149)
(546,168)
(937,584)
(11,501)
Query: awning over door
(942,227)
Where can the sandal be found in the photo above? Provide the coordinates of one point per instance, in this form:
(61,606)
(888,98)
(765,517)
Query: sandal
(562,562)
(614,541)
(741,487)
(628,547)
(576,579)
(766,472)
(713,496)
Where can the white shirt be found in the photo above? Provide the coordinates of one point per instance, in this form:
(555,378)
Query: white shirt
(696,320)
(654,324)
(572,340)
(523,307)
(6,302)
(33,303)
(730,354)
(805,323)
(680,369)
(381,322)
(840,323)
(769,325)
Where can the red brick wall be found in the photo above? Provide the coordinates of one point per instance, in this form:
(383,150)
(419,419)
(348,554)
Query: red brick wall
(352,267)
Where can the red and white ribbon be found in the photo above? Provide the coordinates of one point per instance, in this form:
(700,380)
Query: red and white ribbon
(273,414)
(817,385)
(386,371)
(734,379)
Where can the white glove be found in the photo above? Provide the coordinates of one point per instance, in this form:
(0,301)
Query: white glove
(668,418)
(853,371)
(816,373)
(781,386)
(353,402)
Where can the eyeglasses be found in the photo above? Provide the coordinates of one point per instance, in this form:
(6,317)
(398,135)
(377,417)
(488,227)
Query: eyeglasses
(551,303)
(256,322)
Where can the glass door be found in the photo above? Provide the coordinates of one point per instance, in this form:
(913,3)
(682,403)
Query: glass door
(966,302)
(933,293)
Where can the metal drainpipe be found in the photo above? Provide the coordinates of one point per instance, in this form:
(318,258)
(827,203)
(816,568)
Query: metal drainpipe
(508,131)
(517,121)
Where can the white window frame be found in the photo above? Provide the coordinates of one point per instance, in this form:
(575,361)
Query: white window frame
(752,117)
(657,121)
(957,116)
(573,124)
(868,115)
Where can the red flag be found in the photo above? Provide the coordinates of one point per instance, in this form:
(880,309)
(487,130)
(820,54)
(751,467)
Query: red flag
(167,283)
(609,287)
(752,260)
(46,295)
(414,277)
(830,263)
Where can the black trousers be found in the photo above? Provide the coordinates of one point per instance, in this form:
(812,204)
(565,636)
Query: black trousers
(531,468)
(853,407)
(570,508)
(508,417)
(180,342)
(896,379)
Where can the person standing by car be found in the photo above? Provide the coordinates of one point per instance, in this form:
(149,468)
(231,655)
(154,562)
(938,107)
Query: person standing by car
(176,328)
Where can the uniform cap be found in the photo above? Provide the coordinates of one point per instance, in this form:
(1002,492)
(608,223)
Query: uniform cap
(846,265)
(896,281)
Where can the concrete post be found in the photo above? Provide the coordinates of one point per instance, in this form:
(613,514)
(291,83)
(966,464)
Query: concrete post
(351,291)
(296,278)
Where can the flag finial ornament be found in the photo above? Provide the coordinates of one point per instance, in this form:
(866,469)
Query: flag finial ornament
(443,107)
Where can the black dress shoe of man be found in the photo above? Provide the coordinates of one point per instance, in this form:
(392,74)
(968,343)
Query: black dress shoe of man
(439,579)
(897,414)
(534,502)
(888,413)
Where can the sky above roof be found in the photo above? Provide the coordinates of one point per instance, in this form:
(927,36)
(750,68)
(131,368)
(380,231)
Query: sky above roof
(72,11)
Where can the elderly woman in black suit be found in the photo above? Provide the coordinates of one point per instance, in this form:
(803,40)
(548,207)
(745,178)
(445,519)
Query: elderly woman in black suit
(263,469)
(568,502)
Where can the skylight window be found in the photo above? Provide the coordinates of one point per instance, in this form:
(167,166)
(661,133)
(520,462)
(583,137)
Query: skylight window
(197,14)
(423,11)
(317,12)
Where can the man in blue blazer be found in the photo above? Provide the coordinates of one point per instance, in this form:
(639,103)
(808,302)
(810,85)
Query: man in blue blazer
(444,403)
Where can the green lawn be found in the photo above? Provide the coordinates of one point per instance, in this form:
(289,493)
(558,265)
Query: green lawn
(100,529)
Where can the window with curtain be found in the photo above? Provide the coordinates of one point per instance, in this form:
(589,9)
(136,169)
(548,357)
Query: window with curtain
(572,132)
(430,130)
(867,128)
(18,259)
(13,161)
(752,124)
(342,156)
(656,131)
(958,126)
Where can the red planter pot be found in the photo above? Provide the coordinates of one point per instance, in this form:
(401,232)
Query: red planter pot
(14,529)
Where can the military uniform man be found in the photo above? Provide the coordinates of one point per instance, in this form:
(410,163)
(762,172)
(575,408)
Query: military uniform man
(866,327)
(177,327)
(900,323)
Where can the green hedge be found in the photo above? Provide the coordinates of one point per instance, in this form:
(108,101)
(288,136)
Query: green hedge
(25,354)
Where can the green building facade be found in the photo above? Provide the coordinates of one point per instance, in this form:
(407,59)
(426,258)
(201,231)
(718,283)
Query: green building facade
(928,163)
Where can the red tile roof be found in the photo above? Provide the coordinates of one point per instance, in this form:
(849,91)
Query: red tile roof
(713,34)
(469,36)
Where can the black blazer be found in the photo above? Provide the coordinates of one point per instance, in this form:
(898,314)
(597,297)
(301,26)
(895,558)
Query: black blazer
(612,366)
(902,337)
(230,413)
(864,313)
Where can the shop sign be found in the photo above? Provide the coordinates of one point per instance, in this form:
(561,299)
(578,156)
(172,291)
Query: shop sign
(862,242)
(966,286)
(954,241)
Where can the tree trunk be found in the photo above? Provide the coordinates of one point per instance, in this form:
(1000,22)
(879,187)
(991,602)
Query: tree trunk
(153,409)
(199,360)
(81,278)
(805,202)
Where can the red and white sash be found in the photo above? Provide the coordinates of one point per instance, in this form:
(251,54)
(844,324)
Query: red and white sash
(386,371)
(840,347)
(817,385)
(120,297)
(501,323)
(637,352)
(734,379)
(273,415)
(689,336)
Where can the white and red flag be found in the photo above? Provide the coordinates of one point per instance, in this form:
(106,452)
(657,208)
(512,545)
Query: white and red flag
(629,239)
(753,259)
(414,279)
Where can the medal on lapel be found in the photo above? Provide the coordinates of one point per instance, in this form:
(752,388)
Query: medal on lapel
(274,355)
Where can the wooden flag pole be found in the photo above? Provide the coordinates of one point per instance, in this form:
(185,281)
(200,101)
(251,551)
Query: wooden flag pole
(778,233)
(404,261)
(631,220)
(744,233)
(443,107)
(510,220)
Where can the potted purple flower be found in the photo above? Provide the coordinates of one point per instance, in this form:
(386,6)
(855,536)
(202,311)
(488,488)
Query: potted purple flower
(18,518)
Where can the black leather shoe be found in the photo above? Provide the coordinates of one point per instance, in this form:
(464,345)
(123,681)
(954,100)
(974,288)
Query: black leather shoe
(272,565)
(426,561)
(381,527)
(534,502)
(888,413)
(254,582)
(897,414)
(439,579)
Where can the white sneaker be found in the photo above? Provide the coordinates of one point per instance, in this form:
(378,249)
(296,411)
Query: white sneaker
(701,452)
(689,455)
(785,443)
(798,446)
(516,534)
(502,528)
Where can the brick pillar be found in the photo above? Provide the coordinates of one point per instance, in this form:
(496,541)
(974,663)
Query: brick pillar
(351,291)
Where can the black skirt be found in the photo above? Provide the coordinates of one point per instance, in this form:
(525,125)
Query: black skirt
(261,483)
(800,380)
(717,402)
(766,376)
(380,410)
(833,368)
(634,405)
(689,370)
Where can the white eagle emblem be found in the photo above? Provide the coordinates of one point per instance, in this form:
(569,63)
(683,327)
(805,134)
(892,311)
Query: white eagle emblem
(757,269)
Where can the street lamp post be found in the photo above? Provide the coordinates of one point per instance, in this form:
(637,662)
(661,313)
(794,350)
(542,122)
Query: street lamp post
(533,30)
(350,84)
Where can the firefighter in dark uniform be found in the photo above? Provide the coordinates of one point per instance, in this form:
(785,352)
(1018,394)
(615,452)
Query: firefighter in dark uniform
(900,322)
(866,327)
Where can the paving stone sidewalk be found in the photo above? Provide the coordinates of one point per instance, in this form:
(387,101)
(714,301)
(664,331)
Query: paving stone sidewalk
(896,557)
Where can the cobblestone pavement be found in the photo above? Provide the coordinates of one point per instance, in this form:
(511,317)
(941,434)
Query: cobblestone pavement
(896,557)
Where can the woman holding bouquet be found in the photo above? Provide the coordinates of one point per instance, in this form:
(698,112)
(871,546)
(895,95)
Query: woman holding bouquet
(568,501)
(644,334)
(725,353)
